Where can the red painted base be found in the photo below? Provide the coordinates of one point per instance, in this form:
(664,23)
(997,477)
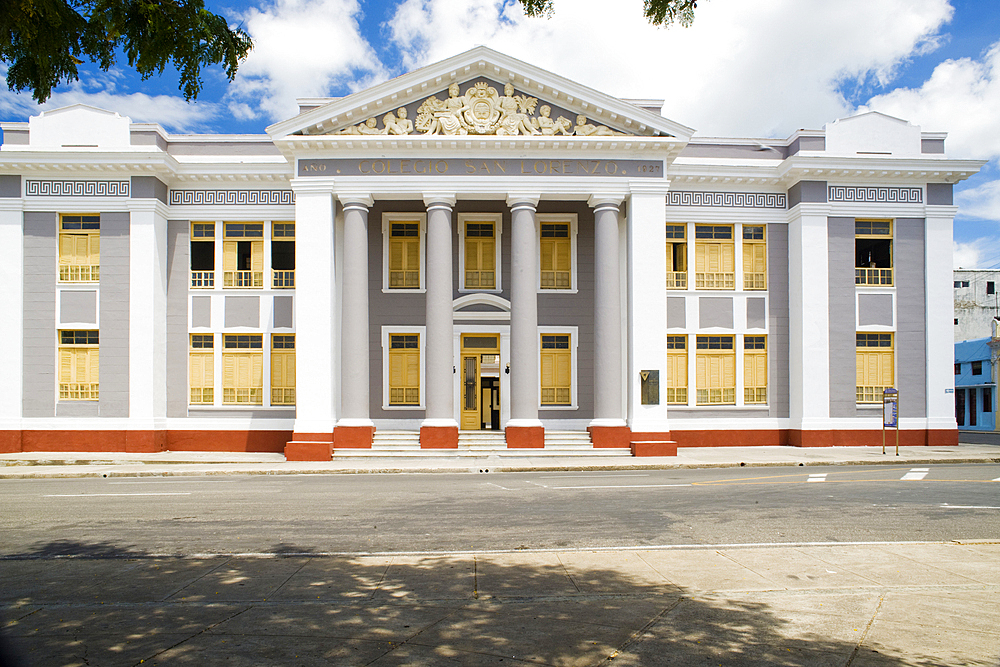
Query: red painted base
(610,436)
(653,448)
(353,437)
(825,438)
(308,450)
(438,437)
(10,442)
(525,437)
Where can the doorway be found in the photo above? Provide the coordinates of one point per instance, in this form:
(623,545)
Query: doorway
(480,364)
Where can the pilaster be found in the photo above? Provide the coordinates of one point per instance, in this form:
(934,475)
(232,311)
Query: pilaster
(939,311)
(12,319)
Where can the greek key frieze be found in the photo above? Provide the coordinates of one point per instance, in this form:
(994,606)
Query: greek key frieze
(876,195)
(231,197)
(727,199)
(76,188)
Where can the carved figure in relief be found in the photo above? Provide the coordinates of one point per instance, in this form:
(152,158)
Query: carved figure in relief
(370,126)
(585,129)
(442,116)
(400,125)
(548,126)
(515,109)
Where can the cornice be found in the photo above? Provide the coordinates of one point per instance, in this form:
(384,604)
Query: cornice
(869,169)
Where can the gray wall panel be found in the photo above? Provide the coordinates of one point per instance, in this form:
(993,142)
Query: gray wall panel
(940,194)
(756,313)
(875,309)
(201,311)
(676,315)
(678,412)
(78,306)
(911,369)
(114,330)
(178,263)
(17,137)
(140,138)
(777,297)
(715,312)
(10,185)
(242,311)
(283,312)
(807,191)
(78,408)
(932,146)
(149,187)
(843,352)
(39,334)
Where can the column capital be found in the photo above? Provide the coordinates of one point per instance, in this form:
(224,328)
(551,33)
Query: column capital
(440,199)
(605,201)
(356,199)
(523,199)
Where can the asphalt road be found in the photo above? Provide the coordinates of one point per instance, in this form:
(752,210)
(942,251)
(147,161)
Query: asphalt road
(506,511)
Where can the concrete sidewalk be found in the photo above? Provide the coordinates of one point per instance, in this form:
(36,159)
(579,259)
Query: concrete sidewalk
(888,604)
(115,464)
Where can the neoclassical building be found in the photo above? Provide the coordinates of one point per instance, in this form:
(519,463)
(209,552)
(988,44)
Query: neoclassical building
(478,253)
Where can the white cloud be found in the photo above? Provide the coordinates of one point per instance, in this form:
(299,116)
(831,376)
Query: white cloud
(982,201)
(170,111)
(302,48)
(968,255)
(761,68)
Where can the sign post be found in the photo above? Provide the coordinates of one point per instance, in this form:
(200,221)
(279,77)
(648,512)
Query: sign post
(890,414)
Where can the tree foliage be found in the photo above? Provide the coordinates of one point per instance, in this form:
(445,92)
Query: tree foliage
(43,41)
(657,12)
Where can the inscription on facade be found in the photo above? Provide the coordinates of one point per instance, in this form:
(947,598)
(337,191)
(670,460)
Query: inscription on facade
(480,167)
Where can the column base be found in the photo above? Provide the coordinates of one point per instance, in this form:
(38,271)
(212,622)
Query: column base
(10,442)
(653,444)
(439,437)
(353,437)
(610,436)
(309,447)
(525,437)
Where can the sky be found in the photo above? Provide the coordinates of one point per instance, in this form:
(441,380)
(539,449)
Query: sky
(746,69)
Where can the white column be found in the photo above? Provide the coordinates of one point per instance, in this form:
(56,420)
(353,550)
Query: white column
(939,311)
(11,312)
(440,363)
(147,314)
(809,317)
(607,313)
(354,342)
(524,343)
(315,322)
(647,306)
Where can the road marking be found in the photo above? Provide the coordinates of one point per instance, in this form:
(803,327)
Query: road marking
(819,477)
(88,495)
(997,479)
(969,507)
(622,486)
(914,474)
(498,486)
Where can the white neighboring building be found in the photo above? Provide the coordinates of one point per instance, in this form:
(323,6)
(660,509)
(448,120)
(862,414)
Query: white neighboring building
(976,302)
(476,246)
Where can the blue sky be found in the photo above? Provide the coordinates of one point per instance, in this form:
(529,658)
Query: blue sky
(762,69)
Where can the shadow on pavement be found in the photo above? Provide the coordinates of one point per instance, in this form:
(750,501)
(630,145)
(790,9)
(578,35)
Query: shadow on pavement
(112,606)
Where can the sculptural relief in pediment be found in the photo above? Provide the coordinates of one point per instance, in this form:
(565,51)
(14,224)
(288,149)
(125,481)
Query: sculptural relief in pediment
(481,110)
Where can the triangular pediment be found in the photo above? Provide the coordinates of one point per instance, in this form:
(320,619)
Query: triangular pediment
(479,93)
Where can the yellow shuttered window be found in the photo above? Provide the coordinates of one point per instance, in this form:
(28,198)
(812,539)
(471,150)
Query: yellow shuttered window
(404,369)
(677,370)
(201,366)
(243,255)
(283,255)
(754,369)
(480,255)
(716,370)
(404,255)
(875,365)
(79,366)
(283,369)
(243,369)
(714,264)
(676,257)
(80,248)
(754,257)
(555,260)
(557,371)
(202,255)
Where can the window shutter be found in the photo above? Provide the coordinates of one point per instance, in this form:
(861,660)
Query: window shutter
(95,249)
(229,371)
(412,254)
(65,366)
(700,257)
(256,365)
(488,250)
(395,255)
(471,255)
(229,255)
(548,369)
(885,371)
(257,256)
(701,371)
(561,251)
(412,361)
(547,251)
(563,362)
(277,370)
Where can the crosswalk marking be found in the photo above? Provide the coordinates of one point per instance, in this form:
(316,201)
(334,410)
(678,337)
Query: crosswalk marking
(915,474)
(817,477)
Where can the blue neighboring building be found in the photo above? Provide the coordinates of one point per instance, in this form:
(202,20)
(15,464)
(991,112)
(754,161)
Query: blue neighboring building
(975,386)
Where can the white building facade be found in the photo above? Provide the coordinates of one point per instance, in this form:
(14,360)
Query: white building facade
(476,246)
